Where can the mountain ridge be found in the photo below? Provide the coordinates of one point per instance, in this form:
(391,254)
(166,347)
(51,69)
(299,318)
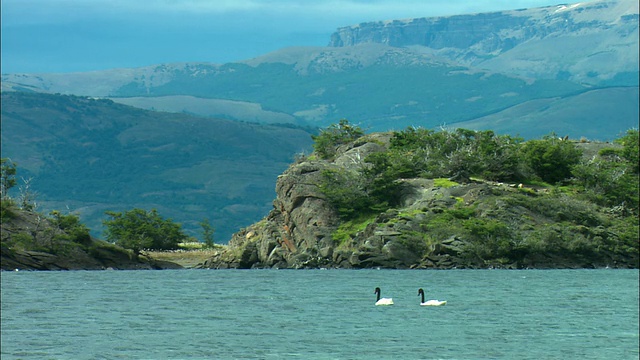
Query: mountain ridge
(453,37)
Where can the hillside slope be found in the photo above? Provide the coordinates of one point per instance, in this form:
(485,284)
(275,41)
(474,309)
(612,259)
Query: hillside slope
(92,155)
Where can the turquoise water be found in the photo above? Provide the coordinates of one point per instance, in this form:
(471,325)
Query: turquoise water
(320,314)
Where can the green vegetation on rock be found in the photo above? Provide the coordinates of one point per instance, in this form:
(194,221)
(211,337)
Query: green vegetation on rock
(329,139)
(450,199)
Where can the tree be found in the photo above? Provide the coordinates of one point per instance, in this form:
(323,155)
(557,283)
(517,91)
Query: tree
(8,173)
(207,233)
(71,225)
(630,149)
(138,229)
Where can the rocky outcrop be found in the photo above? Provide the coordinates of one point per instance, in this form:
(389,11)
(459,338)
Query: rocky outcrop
(296,233)
(303,230)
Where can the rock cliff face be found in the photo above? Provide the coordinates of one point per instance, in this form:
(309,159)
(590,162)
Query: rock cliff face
(461,32)
(587,42)
(298,231)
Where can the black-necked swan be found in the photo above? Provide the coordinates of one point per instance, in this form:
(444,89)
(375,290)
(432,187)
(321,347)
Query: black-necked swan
(430,302)
(383,301)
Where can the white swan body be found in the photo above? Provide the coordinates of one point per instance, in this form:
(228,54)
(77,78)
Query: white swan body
(430,302)
(383,301)
(434,303)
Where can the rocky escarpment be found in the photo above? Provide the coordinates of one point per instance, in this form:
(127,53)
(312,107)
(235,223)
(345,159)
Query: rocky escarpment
(439,224)
(598,40)
(461,32)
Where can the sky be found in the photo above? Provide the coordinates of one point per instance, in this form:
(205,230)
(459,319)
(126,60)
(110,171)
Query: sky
(44,36)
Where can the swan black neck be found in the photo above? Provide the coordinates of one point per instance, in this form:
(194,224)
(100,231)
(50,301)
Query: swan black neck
(421,293)
(377,292)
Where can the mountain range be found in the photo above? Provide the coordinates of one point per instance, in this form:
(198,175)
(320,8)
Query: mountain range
(200,140)
(511,68)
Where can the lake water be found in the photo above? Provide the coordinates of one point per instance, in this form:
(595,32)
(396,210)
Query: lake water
(320,314)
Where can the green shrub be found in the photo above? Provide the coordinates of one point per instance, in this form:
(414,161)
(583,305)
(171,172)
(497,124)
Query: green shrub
(7,177)
(346,191)
(326,143)
(550,159)
(461,153)
(631,149)
(611,178)
(7,209)
(441,225)
(414,241)
(489,238)
(21,241)
(71,225)
(462,212)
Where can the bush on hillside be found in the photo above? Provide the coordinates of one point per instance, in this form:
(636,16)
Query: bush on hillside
(329,139)
(550,159)
(138,229)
